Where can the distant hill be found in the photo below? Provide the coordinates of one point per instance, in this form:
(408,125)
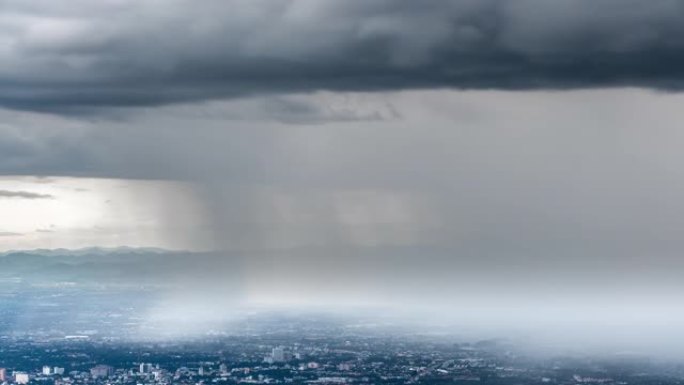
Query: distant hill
(103,266)
(90,251)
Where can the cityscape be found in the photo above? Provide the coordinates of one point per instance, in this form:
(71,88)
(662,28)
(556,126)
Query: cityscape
(88,332)
(330,355)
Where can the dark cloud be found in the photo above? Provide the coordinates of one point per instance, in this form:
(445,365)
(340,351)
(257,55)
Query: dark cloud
(67,56)
(23,195)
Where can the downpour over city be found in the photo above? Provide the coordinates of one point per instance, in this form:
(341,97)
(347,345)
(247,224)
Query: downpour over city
(341,192)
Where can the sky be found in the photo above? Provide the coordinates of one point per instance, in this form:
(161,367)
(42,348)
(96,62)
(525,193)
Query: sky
(75,213)
(520,152)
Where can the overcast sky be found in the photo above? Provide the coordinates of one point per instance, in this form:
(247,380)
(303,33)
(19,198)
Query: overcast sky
(515,149)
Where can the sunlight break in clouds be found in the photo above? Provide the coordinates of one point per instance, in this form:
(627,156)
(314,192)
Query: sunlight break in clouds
(66,212)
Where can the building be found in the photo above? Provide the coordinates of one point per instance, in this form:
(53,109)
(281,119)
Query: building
(145,368)
(101,371)
(3,374)
(58,370)
(21,378)
(47,370)
(278,354)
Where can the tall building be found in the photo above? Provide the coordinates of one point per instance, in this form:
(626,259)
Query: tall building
(21,378)
(101,371)
(3,374)
(278,354)
(58,370)
(47,370)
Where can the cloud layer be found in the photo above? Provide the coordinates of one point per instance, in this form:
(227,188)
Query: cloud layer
(56,55)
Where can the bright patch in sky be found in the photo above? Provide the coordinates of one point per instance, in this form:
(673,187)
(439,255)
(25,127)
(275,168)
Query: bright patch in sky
(84,212)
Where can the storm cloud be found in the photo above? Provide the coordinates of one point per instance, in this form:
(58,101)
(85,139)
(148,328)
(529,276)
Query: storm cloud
(67,56)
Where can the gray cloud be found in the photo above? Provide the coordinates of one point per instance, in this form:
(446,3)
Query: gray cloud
(23,195)
(9,234)
(67,57)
